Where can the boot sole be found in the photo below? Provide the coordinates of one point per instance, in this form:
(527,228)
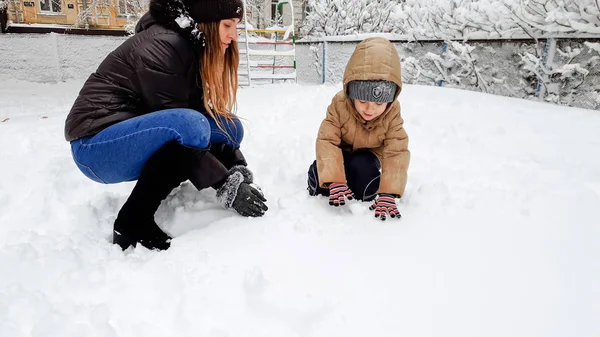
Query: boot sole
(123,241)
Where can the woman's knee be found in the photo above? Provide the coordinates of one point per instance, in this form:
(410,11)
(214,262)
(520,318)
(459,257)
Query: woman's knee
(234,130)
(239,131)
(191,125)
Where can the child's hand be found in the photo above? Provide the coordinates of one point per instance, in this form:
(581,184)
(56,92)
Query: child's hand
(383,204)
(338,193)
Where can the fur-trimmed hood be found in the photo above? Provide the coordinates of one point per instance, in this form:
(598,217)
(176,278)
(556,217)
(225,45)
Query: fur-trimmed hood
(173,15)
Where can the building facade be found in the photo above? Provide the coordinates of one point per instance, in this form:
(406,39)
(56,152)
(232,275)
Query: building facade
(123,14)
(99,14)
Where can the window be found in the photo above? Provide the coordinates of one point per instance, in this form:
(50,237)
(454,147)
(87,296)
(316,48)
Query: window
(126,7)
(51,6)
(276,12)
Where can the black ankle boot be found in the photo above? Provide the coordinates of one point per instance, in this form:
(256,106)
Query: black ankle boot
(166,169)
(129,230)
(135,223)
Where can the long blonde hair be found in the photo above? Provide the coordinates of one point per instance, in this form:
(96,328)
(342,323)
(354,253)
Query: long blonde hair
(219,74)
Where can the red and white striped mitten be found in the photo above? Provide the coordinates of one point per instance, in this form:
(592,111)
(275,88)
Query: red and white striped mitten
(338,193)
(385,204)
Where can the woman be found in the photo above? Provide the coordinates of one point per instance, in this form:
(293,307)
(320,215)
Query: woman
(160,110)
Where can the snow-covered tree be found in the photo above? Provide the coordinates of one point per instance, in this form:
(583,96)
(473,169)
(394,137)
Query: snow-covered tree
(132,9)
(594,63)
(560,78)
(557,16)
(533,71)
(135,9)
(454,19)
(341,17)
(255,10)
(568,76)
(576,75)
(458,66)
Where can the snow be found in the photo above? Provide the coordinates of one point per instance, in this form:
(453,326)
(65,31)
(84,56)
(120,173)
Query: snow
(276,27)
(593,46)
(569,70)
(183,21)
(499,235)
(41,25)
(270,75)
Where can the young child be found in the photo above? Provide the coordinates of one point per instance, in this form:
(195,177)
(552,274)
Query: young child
(362,147)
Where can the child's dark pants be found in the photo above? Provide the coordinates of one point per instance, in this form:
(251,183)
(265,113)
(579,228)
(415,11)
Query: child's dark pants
(362,174)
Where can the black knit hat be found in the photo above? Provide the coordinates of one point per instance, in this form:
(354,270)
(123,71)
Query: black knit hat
(372,91)
(215,10)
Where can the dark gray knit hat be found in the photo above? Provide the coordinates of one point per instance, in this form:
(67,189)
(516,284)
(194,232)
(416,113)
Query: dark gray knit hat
(372,91)
(215,10)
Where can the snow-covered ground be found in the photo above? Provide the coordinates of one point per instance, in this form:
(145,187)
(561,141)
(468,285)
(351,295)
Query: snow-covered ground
(499,235)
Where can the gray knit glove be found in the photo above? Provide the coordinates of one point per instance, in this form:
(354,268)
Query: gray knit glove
(248,176)
(243,198)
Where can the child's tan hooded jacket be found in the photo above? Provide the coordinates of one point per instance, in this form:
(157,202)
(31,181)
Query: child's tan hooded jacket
(343,128)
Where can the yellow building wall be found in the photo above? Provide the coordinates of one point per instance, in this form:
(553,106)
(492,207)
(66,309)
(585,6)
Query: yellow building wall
(106,16)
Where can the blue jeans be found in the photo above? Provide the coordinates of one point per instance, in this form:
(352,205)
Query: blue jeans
(119,152)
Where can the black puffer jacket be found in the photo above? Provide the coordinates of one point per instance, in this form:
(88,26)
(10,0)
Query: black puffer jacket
(156,69)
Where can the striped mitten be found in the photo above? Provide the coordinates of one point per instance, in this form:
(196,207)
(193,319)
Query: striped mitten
(338,193)
(384,204)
